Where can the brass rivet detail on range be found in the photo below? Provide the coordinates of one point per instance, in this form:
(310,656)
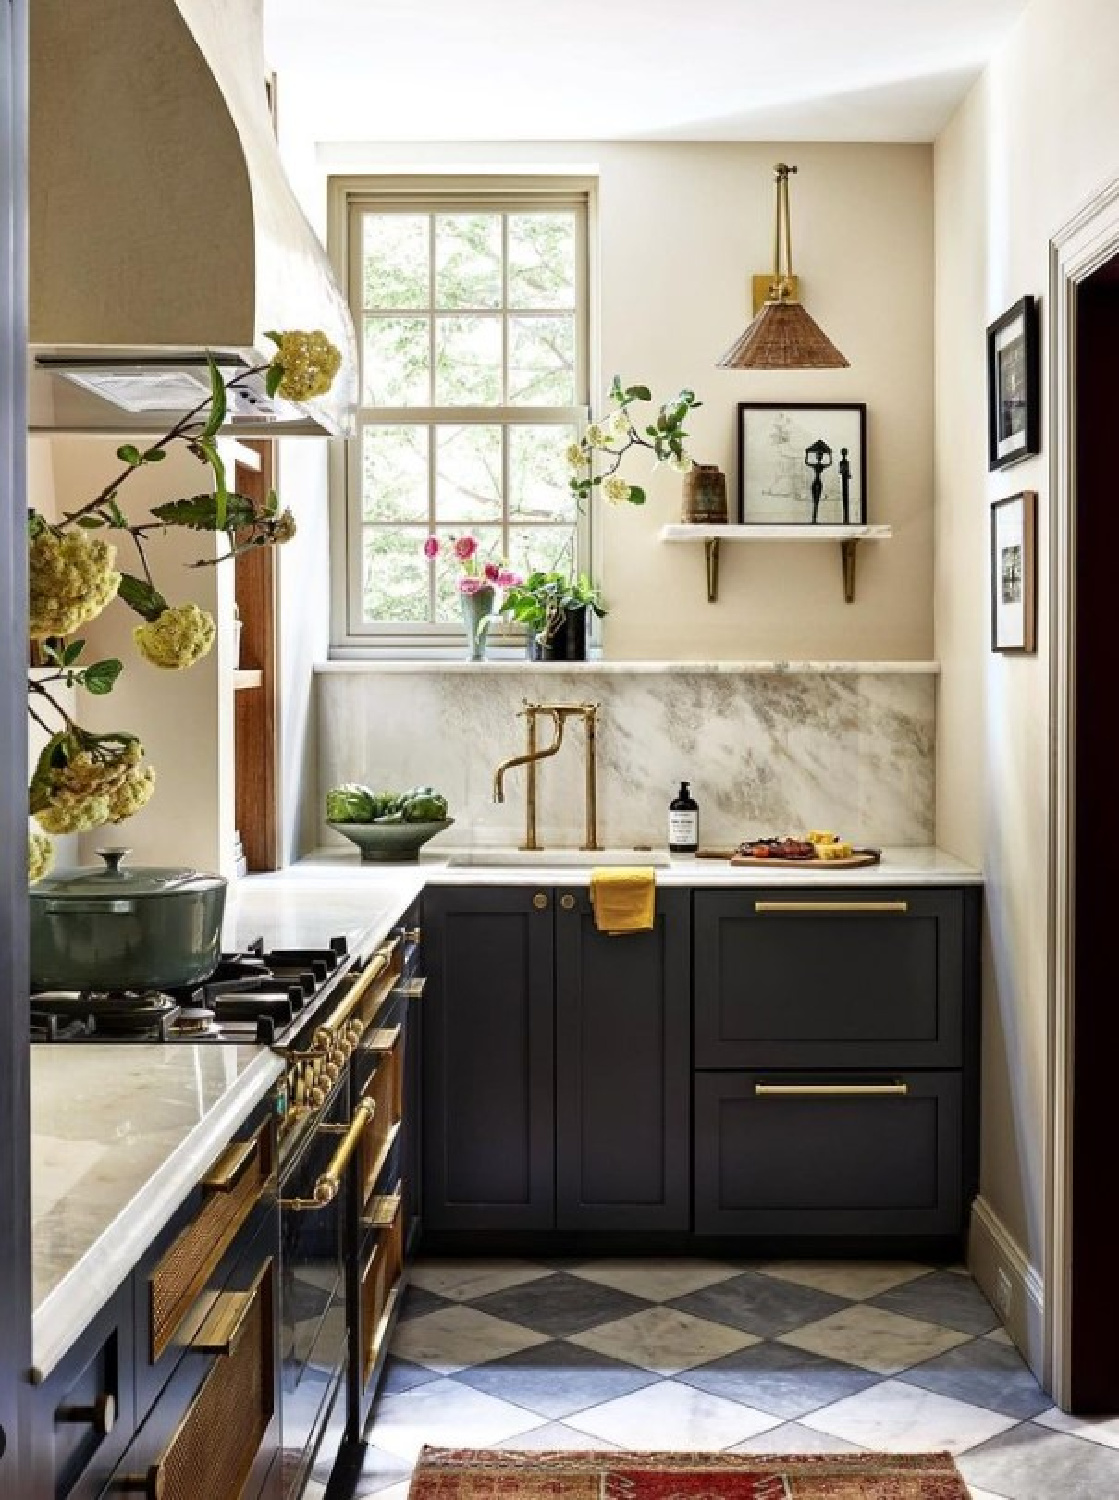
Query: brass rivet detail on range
(540,901)
(568,903)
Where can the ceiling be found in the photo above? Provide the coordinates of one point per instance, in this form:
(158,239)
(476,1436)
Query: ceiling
(698,70)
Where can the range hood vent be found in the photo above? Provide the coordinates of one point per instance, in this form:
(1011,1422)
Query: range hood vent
(162,223)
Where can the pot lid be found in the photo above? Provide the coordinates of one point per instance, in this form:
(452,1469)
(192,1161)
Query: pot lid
(115,878)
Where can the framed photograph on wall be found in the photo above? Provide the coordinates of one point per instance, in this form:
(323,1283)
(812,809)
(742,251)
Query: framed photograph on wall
(1014,572)
(801,463)
(1013,426)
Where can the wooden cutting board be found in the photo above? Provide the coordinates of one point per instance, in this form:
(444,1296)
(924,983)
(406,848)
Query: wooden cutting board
(859,857)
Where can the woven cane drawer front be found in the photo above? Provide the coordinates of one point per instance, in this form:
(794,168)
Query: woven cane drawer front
(380,1277)
(386,1089)
(212,1453)
(184,1268)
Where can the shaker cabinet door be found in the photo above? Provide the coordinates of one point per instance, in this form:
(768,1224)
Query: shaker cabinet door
(489,1059)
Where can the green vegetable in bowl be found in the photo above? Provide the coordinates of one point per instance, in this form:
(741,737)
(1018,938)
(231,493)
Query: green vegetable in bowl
(350,803)
(383,804)
(424,806)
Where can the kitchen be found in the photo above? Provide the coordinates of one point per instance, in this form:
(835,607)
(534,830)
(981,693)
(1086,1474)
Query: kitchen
(916,629)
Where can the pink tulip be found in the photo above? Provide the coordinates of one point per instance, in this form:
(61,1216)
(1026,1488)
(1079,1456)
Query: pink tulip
(431,547)
(465,548)
(492,572)
(507,579)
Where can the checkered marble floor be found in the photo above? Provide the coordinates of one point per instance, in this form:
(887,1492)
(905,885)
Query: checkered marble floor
(748,1357)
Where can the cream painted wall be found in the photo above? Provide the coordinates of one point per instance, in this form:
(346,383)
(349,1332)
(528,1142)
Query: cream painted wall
(680,229)
(1036,137)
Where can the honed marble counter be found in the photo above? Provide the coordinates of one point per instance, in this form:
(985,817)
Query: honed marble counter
(309,903)
(120,1134)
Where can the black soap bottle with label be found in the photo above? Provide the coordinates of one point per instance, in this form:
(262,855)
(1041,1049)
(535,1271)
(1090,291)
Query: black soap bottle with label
(683,822)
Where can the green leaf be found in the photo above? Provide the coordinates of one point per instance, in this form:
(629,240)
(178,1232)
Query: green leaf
(117,516)
(270,333)
(39,788)
(155,455)
(90,523)
(54,648)
(141,596)
(200,512)
(219,404)
(128,453)
(636,495)
(273,378)
(35,524)
(639,393)
(100,677)
(71,652)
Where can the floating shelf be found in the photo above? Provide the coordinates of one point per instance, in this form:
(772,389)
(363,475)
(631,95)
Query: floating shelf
(247,677)
(848,538)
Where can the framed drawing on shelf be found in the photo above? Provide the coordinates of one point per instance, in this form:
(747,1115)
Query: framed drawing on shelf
(1013,427)
(1014,572)
(801,463)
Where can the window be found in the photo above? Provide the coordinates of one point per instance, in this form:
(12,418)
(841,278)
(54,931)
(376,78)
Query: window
(470,302)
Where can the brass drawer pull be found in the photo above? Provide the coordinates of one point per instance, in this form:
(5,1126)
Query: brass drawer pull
(412,989)
(384,1040)
(881,906)
(327,1183)
(830,1090)
(412,934)
(540,901)
(231,1166)
(568,903)
(224,1323)
(383,1211)
(101,1416)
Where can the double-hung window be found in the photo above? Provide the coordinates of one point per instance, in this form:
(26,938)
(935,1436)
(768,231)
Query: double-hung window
(470,301)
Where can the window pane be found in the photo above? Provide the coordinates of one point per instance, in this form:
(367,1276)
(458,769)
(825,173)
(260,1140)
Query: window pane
(468,474)
(395,255)
(394,577)
(394,474)
(396,362)
(542,260)
(542,361)
(448,569)
(539,474)
(543,549)
(468,260)
(467,361)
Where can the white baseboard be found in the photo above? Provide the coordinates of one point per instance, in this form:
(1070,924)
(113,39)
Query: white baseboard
(1012,1285)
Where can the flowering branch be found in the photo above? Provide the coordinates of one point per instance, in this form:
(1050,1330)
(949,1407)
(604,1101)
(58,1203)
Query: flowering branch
(618,433)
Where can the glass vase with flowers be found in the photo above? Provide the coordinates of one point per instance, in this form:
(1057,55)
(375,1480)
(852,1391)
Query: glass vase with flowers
(479,583)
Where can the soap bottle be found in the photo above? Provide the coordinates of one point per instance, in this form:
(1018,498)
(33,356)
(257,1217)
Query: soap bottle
(683,822)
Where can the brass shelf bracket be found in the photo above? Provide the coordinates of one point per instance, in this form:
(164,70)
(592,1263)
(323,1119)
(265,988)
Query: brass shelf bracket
(711,548)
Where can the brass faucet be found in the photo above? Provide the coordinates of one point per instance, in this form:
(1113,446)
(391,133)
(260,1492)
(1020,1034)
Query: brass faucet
(559,713)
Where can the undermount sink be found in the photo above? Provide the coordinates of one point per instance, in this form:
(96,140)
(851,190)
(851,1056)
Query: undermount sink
(578,858)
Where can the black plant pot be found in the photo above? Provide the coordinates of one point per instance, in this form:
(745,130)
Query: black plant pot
(568,643)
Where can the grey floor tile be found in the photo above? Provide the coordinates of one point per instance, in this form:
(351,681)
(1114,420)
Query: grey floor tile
(779,1379)
(556,1379)
(418,1301)
(554,1435)
(401,1375)
(560,1304)
(1032,1463)
(794,1437)
(942,1297)
(983,1373)
(380,1471)
(760,1304)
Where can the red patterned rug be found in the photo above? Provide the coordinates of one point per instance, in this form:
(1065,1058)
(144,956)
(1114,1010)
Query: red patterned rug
(483,1474)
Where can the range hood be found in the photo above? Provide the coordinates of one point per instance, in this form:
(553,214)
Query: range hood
(162,223)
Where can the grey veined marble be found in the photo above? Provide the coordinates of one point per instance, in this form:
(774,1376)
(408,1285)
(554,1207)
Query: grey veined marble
(765,753)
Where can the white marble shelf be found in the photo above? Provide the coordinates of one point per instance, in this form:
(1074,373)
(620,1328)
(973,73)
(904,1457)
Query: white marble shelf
(712,537)
(397,666)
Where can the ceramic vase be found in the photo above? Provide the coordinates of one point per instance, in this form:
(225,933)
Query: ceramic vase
(476,609)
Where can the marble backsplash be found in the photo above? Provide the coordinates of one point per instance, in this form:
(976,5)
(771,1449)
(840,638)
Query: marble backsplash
(766,751)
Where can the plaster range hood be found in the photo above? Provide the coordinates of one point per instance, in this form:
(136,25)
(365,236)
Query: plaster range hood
(162,223)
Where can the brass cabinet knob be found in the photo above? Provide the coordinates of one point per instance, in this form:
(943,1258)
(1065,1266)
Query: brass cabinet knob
(568,903)
(540,901)
(152,1484)
(101,1416)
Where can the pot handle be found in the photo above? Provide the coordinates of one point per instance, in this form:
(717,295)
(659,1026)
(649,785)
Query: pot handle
(113,858)
(89,908)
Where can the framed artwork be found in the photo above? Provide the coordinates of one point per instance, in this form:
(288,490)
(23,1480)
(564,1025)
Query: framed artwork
(1013,426)
(801,463)
(1014,572)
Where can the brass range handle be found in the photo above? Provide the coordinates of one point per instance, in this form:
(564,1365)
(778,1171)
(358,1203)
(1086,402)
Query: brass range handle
(327,1183)
(231,1166)
(328,1033)
(101,1416)
(830,1090)
(802,906)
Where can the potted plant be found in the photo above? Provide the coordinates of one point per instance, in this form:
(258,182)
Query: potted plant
(554,608)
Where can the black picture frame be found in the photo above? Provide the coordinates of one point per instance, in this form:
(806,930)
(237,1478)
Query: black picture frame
(775,480)
(1013,418)
(1014,573)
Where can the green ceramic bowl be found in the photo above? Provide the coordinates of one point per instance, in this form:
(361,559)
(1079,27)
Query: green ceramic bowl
(390,843)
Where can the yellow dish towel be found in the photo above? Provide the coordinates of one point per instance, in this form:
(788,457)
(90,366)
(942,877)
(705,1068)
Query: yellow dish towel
(624,898)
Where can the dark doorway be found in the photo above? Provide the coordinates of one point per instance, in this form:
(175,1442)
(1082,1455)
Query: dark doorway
(1094,1294)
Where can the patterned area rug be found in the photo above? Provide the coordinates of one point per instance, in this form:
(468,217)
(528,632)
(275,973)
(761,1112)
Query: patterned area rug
(478,1474)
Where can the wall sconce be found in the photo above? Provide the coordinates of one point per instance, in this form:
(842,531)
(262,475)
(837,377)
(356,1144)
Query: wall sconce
(782,336)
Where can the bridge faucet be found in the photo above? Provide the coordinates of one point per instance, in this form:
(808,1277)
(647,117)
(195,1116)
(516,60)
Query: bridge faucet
(559,713)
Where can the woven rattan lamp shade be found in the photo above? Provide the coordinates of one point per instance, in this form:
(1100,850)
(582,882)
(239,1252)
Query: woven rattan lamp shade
(783,336)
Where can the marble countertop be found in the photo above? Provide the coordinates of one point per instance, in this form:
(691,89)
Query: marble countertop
(307,904)
(119,1136)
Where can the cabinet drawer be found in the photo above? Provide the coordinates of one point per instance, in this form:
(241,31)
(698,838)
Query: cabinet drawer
(839,1154)
(829,978)
(385,1087)
(381,1275)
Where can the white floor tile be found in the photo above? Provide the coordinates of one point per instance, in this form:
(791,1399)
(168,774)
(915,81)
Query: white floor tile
(899,1418)
(846,1278)
(875,1339)
(985,1494)
(672,1417)
(663,1339)
(556,1435)
(1102,1430)
(463,1280)
(793,1437)
(446,1414)
(656,1280)
(999,1336)
(455,1337)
